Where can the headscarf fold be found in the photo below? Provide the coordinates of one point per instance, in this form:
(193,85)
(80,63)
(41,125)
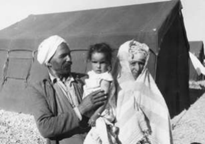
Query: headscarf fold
(48,47)
(142,92)
(138,51)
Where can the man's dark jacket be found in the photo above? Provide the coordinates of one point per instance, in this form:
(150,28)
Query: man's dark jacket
(58,128)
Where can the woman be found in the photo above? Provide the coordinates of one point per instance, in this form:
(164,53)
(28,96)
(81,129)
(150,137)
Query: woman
(141,113)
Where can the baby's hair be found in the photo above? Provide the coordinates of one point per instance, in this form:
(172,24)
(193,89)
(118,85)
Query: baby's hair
(100,48)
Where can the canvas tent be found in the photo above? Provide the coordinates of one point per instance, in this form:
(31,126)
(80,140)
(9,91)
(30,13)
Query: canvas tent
(196,48)
(159,25)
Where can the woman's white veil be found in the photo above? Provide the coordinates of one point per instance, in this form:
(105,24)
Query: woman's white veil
(140,93)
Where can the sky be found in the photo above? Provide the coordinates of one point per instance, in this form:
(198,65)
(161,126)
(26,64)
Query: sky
(12,11)
(194,19)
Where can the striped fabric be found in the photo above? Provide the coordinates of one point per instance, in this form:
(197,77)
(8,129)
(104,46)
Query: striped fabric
(136,98)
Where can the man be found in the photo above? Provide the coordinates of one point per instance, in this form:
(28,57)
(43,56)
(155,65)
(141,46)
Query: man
(58,108)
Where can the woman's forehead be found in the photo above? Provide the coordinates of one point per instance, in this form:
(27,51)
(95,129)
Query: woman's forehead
(137,57)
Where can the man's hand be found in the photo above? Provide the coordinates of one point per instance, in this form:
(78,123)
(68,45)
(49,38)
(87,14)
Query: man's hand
(92,101)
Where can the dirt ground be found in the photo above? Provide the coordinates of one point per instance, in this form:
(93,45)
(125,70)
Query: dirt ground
(189,126)
(18,128)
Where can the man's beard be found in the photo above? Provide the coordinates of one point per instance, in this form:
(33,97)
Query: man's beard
(64,70)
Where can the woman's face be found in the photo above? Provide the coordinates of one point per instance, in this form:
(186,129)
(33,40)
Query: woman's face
(99,63)
(136,67)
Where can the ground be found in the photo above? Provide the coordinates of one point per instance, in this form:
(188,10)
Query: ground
(18,128)
(189,126)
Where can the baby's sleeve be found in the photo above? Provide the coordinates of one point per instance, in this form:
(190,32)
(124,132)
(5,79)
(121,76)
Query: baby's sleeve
(107,76)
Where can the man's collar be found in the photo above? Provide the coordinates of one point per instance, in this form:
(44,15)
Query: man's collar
(54,79)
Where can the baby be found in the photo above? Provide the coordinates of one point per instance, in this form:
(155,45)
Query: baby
(103,129)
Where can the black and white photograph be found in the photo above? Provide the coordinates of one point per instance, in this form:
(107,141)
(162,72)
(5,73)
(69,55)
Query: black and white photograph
(102,72)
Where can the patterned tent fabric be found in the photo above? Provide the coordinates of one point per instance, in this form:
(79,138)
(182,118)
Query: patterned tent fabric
(18,65)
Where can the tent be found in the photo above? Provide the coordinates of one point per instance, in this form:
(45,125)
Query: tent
(196,48)
(159,25)
(195,75)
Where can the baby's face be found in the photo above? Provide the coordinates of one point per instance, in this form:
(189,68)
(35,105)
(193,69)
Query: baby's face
(99,63)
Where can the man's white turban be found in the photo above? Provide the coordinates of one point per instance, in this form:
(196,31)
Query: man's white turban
(47,48)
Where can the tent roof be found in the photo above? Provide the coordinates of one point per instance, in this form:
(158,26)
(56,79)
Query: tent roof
(82,28)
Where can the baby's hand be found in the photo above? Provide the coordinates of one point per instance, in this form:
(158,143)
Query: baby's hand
(92,120)
(147,132)
(145,140)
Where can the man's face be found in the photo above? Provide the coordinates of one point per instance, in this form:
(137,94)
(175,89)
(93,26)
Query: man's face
(61,61)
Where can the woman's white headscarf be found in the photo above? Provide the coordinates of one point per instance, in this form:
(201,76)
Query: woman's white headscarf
(142,94)
(48,48)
